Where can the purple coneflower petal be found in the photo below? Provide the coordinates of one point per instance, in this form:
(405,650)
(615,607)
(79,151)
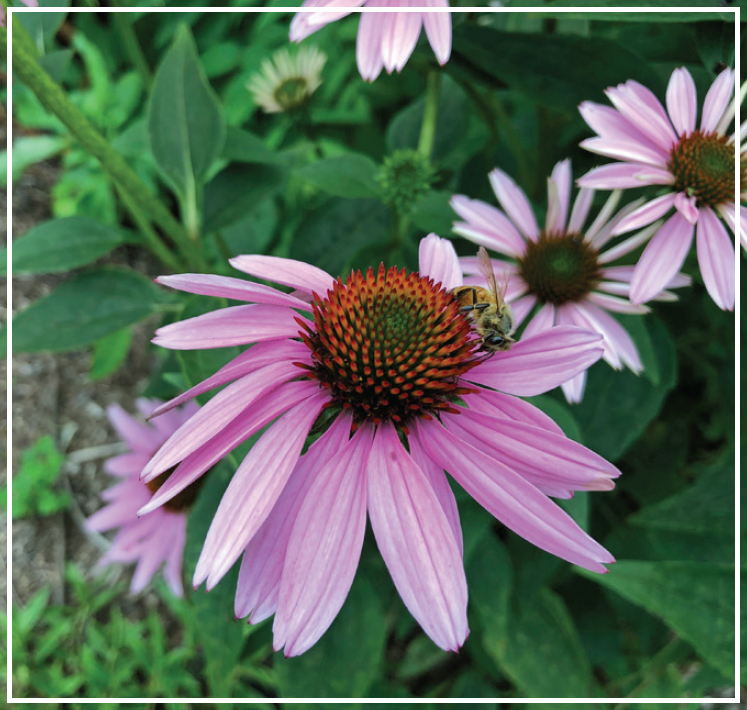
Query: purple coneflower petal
(324,548)
(581,208)
(511,499)
(416,541)
(522,307)
(254,488)
(172,570)
(716,258)
(661,259)
(540,363)
(250,421)
(644,215)
(400,36)
(515,203)
(628,245)
(640,106)
(368,46)
(621,149)
(126,464)
(686,206)
(717,100)
(573,390)
(616,176)
(542,320)
(228,287)
(261,570)
(288,272)
(218,413)
(509,407)
(438,29)
(620,346)
(559,197)
(260,355)
(576,313)
(138,436)
(153,554)
(236,325)
(615,304)
(682,101)
(438,260)
(487,225)
(441,488)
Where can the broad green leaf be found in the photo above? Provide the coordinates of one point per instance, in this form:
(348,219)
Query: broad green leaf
(334,233)
(707,506)
(432,213)
(244,147)
(618,405)
(347,659)
(566,72)
(235,192)
(695,599)
(561,412)
(64,244)
(351,175)
(42,26)
(29,150)
(56,63)
(541,650)
(212,619)
(185,122)
(84,309)
(253,233)
(109,353)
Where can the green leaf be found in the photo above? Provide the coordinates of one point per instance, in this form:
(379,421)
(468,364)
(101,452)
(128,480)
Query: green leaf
(695,599)
(235,192)
(347,659)
(705,507)
(566,72)
(618,405)
(244,147)
(252,234)
(29,150)
(560,412)
(541,650)
(432,213)
(42,26)
(350,175)
(109,353)
(64,244)
(185,122)
(56,63)
(334,233)
(32,485)
(644,16)
(84,309)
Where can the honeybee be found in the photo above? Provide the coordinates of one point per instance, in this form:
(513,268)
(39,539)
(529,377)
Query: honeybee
(491,316)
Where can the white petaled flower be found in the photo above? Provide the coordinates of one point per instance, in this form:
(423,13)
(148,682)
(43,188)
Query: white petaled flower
(286,80)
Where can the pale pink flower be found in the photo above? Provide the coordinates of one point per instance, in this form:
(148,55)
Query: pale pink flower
(742,168)
(157,538)
(27,3)
(659,147)
(385,357)
(564,272)
(385,39)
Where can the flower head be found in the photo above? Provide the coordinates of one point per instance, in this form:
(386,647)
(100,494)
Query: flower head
(157,538)
(562,270)
(658,147)
(286,80)
(388,366)
(405,176)
(385,39)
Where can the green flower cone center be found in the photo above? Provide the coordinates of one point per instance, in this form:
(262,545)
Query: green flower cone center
(559,268)
(292,93)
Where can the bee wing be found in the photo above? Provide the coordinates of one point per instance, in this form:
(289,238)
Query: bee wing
(486,269)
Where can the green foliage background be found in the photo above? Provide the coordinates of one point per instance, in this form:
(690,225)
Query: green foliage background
(167,92)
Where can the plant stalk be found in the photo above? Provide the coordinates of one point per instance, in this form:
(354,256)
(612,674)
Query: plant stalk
(430,113)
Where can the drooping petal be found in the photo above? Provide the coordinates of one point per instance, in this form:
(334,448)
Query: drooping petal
(438,260)
(400,35)
(622,175)
(497,404)
(537,364)
(686,206)
(511,499)
(254,489)
(574,391)
(515,203)
(487,226)
(324,548)
(236,325)
(288,272)
(661,259)
(580,211)
(220,411)
(368,46)
(646,214)
(416,542)
(716,258)
(621,149)
(717,100)
(682,101)
(559,197)
(521,308)
(228,287)
(578,316)
(139,436)
(251,420)
(261,570)
(438,30)
(542,320)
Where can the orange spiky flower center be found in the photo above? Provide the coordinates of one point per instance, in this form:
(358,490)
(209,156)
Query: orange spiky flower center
(559,268)
(390,346)
(703,166)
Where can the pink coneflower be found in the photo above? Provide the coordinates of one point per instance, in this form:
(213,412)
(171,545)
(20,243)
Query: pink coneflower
(561,270)
(661,147)
(743,162)
(156,538)
(390,366)
(385,39)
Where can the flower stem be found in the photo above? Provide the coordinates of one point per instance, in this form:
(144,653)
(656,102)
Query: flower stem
(430,113)
(53,98)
